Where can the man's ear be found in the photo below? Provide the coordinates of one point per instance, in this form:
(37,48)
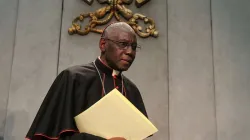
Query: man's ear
(102,45)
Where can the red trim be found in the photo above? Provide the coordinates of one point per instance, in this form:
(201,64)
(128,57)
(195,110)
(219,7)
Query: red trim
(125,93)
(103,84)
(50,138)
(114,82)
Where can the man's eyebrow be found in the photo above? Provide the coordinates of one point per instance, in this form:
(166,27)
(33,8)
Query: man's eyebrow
(125,40)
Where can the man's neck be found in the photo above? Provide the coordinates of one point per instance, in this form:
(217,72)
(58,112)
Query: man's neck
(115,72)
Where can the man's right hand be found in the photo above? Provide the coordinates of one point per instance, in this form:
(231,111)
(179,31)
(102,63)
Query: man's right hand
(117,138)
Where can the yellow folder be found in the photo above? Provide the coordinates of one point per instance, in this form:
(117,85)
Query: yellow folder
(115,116)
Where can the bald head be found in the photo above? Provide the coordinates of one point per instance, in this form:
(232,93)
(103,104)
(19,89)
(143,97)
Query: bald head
(116,28)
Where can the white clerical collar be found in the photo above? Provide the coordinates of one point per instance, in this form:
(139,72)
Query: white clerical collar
(115,73)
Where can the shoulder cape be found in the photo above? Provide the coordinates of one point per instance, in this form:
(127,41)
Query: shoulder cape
(56,113)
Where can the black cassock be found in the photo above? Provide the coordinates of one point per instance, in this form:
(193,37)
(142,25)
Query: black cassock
(74,90)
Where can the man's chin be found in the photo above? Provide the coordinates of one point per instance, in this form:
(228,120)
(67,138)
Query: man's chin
(124,68)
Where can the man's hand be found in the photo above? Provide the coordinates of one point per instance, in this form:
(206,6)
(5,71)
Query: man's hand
(117,138)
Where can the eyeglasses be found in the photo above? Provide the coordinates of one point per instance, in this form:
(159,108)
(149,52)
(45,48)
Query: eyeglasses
(125,45)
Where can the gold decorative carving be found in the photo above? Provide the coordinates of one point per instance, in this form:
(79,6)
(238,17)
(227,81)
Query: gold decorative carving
(114,8)
(139,3)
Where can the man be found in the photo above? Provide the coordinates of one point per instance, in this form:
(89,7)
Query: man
(78,88)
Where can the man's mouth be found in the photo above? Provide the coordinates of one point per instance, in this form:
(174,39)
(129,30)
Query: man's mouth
(127,60)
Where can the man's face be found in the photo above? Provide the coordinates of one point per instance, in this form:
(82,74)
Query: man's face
(119,52)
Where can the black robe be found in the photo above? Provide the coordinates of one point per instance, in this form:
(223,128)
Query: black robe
(74,90)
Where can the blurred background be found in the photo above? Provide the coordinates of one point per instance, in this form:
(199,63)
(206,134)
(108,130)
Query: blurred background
(194,77)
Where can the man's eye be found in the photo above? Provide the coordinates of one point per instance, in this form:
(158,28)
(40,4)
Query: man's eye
(123,43)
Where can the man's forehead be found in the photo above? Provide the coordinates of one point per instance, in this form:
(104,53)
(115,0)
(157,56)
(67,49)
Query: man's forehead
(122,35)
(128,36)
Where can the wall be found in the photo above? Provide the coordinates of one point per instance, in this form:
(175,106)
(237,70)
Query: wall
(8,16)
(191,89)
(231,33)
(34,63)
(194,78)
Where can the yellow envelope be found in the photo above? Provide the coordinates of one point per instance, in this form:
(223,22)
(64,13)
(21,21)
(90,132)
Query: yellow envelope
(115,116)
